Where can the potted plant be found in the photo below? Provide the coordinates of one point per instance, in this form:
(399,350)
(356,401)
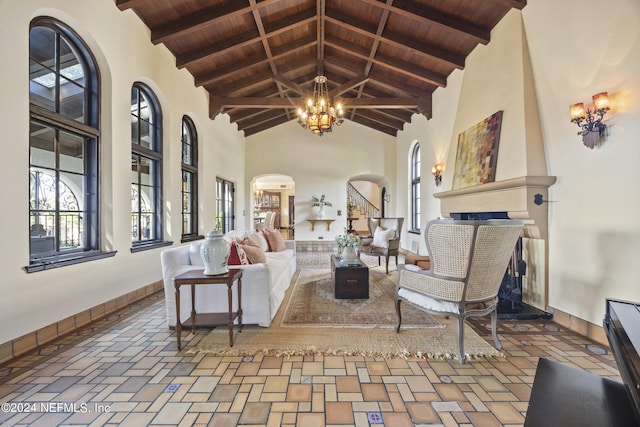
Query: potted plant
(347,245)
(321,203)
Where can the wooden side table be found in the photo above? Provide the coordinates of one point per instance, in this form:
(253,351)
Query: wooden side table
(197,277)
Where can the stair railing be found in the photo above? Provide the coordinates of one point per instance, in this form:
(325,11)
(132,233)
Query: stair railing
(362,203)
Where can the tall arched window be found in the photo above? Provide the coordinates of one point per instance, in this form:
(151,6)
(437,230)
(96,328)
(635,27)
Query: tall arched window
(146,168)
(415,188)
(189,180)
(63,147)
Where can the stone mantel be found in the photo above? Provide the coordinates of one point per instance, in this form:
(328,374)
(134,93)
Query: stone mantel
(516,196)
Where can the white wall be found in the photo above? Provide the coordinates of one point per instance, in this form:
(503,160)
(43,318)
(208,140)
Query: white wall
(321,165)
(124,54)
(576,49)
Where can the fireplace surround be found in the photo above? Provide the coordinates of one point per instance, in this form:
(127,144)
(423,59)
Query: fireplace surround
(522,198)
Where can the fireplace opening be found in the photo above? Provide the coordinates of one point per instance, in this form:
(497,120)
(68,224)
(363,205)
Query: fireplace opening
(510,304)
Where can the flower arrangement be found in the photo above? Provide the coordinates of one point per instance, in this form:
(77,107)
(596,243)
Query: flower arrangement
(348,241)
(321,202)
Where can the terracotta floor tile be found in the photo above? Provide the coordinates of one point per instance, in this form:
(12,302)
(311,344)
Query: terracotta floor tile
(276,384)
(375,393)
(422,413)
(347,385)
(299,393)
(339,413)
(255,413)
(310,420)
(378,368)
(397,419)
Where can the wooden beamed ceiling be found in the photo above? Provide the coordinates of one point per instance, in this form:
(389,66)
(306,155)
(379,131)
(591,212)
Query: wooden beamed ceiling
(383,59)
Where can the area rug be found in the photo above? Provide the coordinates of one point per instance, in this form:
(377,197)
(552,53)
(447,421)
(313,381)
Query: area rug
(312,304)
(427,342)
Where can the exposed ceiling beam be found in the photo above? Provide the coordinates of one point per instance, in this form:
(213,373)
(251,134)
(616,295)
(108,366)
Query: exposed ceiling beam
(433,16)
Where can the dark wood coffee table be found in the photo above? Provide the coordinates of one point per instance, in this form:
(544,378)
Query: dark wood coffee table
(350,278)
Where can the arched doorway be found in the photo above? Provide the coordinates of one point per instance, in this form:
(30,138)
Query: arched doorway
(367,197)
(274,193)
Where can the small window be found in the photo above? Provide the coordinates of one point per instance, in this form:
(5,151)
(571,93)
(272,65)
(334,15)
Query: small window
(225,217)
(189,180)
(415,188)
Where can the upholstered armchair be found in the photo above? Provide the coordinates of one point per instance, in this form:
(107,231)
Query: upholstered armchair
(468,263)
(384,239)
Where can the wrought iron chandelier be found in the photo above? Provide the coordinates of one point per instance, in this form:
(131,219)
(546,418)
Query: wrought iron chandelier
(320,115)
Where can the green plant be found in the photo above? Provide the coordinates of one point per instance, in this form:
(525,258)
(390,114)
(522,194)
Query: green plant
(321,202)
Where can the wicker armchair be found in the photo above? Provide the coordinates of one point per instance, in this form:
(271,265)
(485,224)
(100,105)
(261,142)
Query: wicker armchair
(468,262)
(387,246)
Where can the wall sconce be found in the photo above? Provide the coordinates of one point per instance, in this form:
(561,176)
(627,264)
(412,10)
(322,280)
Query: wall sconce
(590,121)
(436,170)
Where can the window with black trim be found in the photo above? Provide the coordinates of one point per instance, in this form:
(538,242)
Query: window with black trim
(415,188)
(225,216)
(146,168)
(189,180)
(63,147)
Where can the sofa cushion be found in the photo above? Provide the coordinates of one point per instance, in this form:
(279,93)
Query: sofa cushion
(194,254)
(381,237)
(275,240)
(254,253)
(237,255)
(259,239)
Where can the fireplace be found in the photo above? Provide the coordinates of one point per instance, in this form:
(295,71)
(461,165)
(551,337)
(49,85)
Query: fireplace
(510,295)
(516,198)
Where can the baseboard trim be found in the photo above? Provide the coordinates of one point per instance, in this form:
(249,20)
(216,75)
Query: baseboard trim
(31,341)
(586,329)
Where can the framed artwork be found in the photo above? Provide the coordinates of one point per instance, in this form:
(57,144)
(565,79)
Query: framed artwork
(477,153)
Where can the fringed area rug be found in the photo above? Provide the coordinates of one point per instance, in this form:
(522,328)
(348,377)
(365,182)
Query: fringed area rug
(312,304)
(434,341)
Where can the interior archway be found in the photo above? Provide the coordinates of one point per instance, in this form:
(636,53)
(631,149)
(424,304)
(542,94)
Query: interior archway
(368,196)
(274,193)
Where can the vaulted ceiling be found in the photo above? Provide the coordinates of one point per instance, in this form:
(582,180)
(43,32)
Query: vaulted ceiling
(383,58)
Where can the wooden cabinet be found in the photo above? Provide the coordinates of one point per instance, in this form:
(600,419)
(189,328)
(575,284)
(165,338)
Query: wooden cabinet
(270,201)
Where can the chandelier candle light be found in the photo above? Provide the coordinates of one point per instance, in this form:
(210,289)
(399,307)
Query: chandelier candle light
(320,115)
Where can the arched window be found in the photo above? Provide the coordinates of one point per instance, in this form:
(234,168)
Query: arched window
(146,168)
(189,180)
(415,188)
(63,147)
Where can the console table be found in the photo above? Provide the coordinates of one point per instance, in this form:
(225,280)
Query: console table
(197,277)
(327,223)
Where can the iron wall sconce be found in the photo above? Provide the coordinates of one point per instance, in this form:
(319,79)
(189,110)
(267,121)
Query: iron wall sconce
(592,129)
(437,170)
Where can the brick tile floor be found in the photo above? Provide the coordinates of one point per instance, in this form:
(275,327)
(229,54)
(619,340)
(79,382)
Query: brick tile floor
(125,370)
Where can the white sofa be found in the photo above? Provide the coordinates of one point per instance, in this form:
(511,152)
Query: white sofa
(263,285)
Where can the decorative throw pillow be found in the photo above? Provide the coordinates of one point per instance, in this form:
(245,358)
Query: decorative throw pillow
(255,254)
(275,240)
(194,254)
(260,239)
(237,255)
(381,237)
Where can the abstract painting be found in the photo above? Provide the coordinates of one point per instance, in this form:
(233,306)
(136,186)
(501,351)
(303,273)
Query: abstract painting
(477,153)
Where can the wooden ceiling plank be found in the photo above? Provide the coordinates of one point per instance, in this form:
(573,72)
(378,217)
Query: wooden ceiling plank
(198,21)
(396,66)
(399,41)
(253,61)
(432,16)
(242,84)
(245,39)
(380,118)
